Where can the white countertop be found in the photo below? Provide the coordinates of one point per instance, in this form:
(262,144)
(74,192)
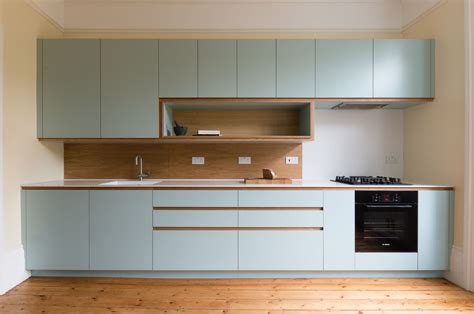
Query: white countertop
(208,183)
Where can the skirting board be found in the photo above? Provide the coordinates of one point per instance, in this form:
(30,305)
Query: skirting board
(456,273)
(12,269)
(235,274)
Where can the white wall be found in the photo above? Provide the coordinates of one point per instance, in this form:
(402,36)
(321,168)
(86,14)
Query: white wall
(354,142)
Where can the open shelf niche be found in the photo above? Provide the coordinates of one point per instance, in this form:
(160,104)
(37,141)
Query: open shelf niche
(237,120)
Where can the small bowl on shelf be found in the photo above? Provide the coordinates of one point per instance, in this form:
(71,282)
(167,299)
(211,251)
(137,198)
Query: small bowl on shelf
(179,130)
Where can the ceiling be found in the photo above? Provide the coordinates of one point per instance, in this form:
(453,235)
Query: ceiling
(234,15)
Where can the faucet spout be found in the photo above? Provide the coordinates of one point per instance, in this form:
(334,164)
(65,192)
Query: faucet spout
(139,162)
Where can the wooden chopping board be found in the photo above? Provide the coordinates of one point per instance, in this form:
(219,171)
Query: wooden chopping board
(268,181)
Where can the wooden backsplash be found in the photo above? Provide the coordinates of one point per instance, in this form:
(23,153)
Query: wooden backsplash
(117,161)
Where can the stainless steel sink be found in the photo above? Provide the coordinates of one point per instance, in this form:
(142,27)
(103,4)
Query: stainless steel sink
(130,182)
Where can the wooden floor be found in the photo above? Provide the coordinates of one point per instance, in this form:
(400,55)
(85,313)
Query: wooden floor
(289,296)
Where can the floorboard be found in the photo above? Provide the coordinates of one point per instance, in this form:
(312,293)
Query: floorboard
(246,296)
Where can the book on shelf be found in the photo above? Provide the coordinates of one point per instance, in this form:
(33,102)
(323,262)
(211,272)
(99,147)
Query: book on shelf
(208,133)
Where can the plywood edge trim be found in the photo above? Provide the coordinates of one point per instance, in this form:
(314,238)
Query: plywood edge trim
(236,228)
(156,208)
(236,188)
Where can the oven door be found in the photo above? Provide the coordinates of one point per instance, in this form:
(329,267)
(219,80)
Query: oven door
(386,228)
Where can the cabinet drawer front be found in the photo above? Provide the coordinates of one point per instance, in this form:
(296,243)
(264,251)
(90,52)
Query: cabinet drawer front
(195,198)
(280,250)
(195,250)
(281,218)
(386,261)
(195,218)
(280,198)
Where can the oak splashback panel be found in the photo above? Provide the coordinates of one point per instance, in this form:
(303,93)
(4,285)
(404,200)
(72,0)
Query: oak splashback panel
(116,161)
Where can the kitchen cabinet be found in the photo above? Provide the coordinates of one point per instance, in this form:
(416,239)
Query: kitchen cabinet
(70,88)
(256,68)
(192,250)
(57,229)
(195,218)
(178,68)
(433,230)
(121,232)
(386,261)
(217,64)
(344,68)
(281,250)
(294,217)
(339,230)
(194,198)
(290,198)
(129,88)
(403,68)
(295,68)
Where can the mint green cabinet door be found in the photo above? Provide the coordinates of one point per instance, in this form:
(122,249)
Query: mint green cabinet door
(57,230)
(433,230)
(344,68)
(129,88)
(121,230)
(217,64)
(256,68)
(195,198)
(295,68)
(191,250)
(178,66)
(403,68)
(278,250)
(71,88)
(339,233)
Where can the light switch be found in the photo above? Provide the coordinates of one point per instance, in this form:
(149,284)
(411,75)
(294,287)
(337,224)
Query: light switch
(198,160)
(245,160)
(291,160)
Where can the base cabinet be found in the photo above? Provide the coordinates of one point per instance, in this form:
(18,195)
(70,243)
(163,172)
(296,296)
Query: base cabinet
(194,230)
(57,230)
(121,230)
(433,230)
(280,250)
(386,261)
(189,250)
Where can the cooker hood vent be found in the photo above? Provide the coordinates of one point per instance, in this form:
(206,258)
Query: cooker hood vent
(359,106)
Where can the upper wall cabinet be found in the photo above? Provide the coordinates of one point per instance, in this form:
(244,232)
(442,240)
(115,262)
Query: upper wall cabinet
(344,68)
(129,88)
(403,68)
(71,88)
(217,64)
(256,68)
(178,62)
(295,68)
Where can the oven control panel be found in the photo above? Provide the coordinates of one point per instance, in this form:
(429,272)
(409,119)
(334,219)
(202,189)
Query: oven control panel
(386,198)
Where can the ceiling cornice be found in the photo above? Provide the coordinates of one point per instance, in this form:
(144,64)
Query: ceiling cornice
(52,10)
(236,16)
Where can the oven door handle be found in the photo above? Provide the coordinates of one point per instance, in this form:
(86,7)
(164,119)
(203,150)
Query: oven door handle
(389,206)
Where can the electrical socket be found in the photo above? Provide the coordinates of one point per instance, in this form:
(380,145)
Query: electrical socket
(198,160)
(291,160)
(391,159)
(245,160)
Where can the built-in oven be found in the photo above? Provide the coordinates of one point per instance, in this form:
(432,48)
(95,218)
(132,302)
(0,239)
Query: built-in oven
(386,221)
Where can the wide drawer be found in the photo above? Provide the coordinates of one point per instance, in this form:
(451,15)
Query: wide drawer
(195,198)
(194,218)
(280,198)
(281,250)
(211,250)
(386,261)
(281,218)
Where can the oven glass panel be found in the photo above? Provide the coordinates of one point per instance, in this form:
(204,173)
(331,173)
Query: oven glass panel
(386,227)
